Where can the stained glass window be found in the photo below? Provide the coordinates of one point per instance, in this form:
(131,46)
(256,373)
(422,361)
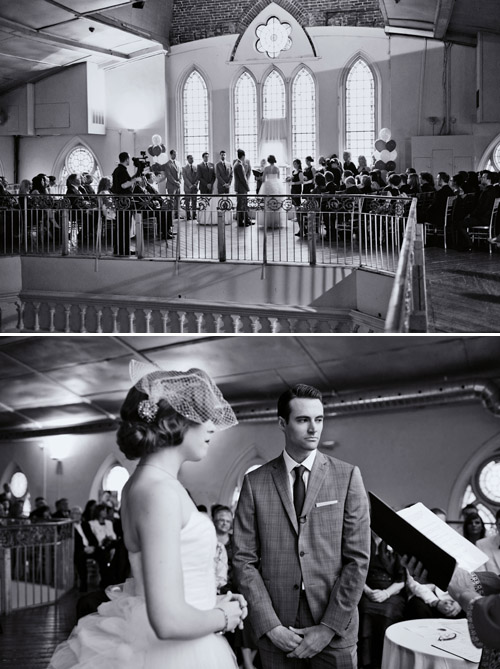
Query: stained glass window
(496,156)
(483,490)
(245,116)
(195,114)
(273,94)
(303,115)
(360,111)
(273,37)
(80,159)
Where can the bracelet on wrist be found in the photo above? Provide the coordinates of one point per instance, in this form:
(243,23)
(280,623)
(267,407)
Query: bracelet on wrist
(226,621)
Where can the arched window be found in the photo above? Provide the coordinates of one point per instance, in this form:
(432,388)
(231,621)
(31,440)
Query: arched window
(195,115)
(360,111)
(273,95)
(79,159)
(483,489)
(237,490)
(245,116)
(114,480)
(303,115)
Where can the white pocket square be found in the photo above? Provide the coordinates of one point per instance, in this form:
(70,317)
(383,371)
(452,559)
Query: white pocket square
(332,501)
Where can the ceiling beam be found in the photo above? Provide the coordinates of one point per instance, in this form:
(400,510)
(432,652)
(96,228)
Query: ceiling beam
(442,17)
(37,35)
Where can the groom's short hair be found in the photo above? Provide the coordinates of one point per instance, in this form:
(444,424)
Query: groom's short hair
(300,390)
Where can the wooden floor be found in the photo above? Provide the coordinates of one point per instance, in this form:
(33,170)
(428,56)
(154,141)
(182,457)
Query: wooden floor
(30,636)
(463,290)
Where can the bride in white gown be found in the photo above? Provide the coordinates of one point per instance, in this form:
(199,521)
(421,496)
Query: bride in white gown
(273,215)
(167,615)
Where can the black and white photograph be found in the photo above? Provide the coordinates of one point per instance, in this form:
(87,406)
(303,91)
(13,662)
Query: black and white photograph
(252,502)
(261,167)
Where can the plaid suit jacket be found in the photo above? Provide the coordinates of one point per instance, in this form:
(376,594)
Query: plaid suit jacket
(328,550)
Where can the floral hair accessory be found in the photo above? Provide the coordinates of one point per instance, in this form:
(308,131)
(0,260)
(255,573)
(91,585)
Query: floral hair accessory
(147,410)
(192,394)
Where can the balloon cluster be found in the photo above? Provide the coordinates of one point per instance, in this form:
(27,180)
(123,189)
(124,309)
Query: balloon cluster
(158,152)
(385,152)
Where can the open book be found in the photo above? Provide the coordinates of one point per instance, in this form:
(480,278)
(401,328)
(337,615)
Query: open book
(416,531)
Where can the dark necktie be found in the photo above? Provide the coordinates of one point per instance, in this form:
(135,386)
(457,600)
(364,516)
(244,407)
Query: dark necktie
(299,489)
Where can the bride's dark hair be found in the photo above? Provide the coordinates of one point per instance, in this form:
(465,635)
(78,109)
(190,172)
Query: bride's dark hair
(271,159)
(136,437)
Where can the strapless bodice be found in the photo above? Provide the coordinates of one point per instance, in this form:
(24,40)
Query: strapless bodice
(198,546)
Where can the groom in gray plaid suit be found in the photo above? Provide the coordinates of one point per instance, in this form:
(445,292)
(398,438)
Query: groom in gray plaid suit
(302,544)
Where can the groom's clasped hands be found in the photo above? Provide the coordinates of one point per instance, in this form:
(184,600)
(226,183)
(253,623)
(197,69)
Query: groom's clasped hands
(301,643)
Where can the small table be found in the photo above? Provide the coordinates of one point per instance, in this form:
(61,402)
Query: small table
(409,645)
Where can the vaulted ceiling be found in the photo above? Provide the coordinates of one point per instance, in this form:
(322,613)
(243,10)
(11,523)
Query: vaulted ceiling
(51,384)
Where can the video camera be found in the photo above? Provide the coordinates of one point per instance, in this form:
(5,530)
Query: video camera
(141,163)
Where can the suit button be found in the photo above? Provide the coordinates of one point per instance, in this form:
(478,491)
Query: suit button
(301,553)
(296,586)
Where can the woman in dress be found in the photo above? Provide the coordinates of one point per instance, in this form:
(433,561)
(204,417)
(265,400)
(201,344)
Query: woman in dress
(108,211)
(168,614)
(296,180)
(474,527)
(272,189)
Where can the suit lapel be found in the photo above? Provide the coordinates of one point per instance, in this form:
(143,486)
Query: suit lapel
(316,478)
(280,476)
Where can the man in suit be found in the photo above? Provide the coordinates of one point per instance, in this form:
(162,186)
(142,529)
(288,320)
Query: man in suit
(481,213)
(437,210)
(206,175)
(241,187)
(224,175)
(173,173)
(302,544)
(190,178)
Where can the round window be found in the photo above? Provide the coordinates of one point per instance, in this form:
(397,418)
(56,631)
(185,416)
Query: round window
(18,484)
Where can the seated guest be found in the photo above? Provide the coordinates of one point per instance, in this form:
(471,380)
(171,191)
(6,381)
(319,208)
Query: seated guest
(426,600)
(473,527)
(377,180)
(491,546)
(103,530)
(392,187)
(41,514)
(382,603)
(404,188)
(426,182)
(362,164)
(480,215)
(413,185)
(62,509)
(350,186)
(436,212)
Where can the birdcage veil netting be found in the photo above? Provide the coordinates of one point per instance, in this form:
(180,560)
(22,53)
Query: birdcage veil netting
(192,394)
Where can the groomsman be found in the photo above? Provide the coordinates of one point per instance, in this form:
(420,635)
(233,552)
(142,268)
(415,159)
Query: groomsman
(190,178)
(206,175)
(224,174)
(173,173)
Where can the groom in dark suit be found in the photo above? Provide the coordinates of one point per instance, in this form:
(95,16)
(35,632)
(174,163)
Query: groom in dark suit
(241,187)
(302,544)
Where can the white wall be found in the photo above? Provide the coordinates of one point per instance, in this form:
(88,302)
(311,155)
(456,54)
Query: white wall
(404,456)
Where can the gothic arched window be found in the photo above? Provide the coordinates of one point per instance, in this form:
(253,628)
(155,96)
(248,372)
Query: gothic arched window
(483,489)
(79,159)
(245,116)
(360,110)
(303,115)
(273,95)
(195,115)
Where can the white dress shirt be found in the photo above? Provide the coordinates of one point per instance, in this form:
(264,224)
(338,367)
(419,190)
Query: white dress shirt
(291,464)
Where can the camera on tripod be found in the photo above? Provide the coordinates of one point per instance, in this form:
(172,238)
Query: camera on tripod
(141,163)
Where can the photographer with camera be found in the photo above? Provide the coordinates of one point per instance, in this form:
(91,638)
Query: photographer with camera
(123,184)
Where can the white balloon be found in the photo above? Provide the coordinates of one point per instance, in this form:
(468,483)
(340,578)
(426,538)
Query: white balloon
(385,135)
(376,155)
(385,155)
(393,155)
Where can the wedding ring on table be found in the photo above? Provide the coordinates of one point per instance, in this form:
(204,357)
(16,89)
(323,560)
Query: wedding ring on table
(447,636)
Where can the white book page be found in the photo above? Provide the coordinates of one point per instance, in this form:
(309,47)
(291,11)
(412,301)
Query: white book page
(467,555)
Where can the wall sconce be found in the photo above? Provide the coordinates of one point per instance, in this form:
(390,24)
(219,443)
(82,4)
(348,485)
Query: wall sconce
(59,467)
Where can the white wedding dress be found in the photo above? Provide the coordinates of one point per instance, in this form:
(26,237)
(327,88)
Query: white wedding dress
(273,215)
(119,635)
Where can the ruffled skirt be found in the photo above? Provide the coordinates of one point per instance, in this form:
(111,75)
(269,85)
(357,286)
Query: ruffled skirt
(119,636)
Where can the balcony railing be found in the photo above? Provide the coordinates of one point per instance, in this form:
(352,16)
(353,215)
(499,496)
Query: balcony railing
(36,564)
(350,230)
(408,304)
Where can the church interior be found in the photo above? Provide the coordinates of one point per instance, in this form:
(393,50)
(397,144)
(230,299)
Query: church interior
(407,85)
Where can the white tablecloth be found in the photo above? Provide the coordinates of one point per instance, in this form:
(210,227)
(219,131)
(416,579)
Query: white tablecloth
(409,645)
